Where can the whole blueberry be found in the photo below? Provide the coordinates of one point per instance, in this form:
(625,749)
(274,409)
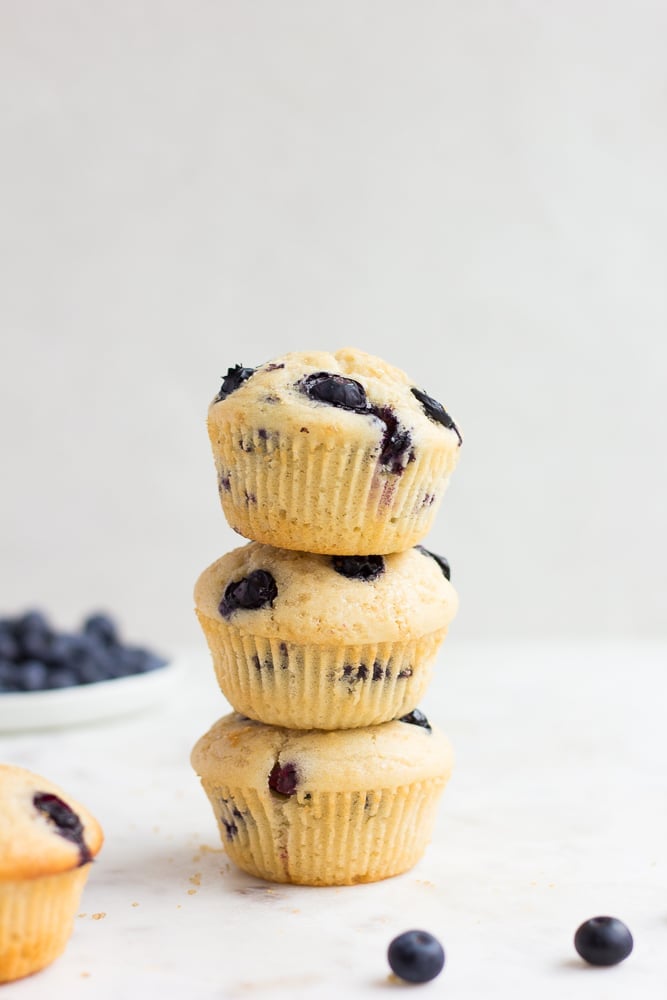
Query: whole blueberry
(103,627)
(32,675)
(61,677)
(603,941)
(416,956)
(35,645)
(336,390)
(33,635)
(62,649)
(33,620)
(436,411)
(251,592)
(442,562)
(234,378)
(66,821)
(416,718)
(9,647)
(9,672)
(365,568)
(283,779)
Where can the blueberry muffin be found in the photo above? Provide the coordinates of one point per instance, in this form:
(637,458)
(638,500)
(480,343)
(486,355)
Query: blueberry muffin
(313,641)
(332,453)
(47,844)
(324,808)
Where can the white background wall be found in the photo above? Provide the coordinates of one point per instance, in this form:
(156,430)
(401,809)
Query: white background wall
(474,190)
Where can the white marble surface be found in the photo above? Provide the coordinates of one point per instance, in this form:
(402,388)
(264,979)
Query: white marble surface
(557,812)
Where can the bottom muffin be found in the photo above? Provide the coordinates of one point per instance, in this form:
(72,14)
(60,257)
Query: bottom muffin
(47,844)
(324,808)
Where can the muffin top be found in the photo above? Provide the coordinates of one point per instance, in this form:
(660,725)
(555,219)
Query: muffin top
(320,599)
(43,831)
(237,751)
(347,395)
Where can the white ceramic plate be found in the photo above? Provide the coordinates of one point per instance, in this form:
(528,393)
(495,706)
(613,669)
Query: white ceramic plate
(87,702)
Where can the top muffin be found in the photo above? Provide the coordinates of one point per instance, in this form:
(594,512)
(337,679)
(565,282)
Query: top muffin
(333,453)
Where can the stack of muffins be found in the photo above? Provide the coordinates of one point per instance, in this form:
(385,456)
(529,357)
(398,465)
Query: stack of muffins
(324,628)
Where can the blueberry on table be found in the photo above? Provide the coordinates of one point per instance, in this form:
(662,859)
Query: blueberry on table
(416,956)
(365,568)
(252,592)
(603,941)
(436,411)
(336,390)
(234,378)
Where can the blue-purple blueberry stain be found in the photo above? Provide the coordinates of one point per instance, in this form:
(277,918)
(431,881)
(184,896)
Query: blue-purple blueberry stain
(366,568)
(348,394)
(442,562)
(257,590)
(234,378)
(66,822)
(416,718)
(436,411)
(283,779)
(396,447)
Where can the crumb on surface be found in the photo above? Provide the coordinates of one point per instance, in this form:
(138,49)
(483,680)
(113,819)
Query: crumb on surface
(85,975)
(135,904)
(192,892)
(82,914)
(207,849)
(99,916)
(195,879)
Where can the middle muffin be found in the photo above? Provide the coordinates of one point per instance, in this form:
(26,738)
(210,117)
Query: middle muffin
(324,642)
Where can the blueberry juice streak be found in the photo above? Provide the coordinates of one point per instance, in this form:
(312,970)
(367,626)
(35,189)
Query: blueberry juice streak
(348,394)
(65,821)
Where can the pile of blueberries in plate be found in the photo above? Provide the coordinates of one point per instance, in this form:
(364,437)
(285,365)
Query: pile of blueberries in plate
(36,657)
